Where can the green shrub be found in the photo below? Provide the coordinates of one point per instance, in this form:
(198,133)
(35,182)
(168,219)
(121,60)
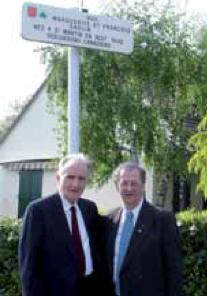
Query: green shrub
(193,231)
(9,277)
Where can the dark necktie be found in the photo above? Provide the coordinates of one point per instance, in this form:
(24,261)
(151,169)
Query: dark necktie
(80,258)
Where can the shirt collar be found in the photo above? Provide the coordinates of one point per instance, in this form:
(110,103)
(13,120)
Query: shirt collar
(66,204)
(135,210)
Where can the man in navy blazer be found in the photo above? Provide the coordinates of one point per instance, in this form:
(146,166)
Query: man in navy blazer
(49,254)
(143,243)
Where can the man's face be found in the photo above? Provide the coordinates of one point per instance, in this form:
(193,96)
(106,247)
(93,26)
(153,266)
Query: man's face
(72,180)
(130,187)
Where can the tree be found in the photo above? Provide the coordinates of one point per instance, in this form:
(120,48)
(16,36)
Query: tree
(15,109)
(198,161)
(198,141)
(137,102)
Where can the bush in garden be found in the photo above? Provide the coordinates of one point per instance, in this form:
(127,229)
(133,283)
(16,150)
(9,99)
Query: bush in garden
(193,233)
(9,277)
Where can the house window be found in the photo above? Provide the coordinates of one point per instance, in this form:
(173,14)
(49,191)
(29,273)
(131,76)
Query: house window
(30,188)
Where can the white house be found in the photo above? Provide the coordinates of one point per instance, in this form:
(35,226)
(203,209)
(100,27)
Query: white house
(27,161)
(26,152)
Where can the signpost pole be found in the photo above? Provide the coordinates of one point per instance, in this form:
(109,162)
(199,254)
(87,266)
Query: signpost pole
(73,99)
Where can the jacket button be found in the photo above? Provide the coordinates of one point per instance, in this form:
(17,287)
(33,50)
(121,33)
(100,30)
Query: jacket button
(140,277)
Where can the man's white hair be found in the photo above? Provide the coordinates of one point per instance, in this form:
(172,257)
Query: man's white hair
(75,157)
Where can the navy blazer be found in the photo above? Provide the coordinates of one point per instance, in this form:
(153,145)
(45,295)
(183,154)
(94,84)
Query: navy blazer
(152,265)
(46,253)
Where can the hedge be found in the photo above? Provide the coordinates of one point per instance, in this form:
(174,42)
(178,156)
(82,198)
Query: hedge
(193,233)
(9,277)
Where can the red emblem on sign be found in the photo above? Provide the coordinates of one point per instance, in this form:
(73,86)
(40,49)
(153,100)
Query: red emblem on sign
(31,11)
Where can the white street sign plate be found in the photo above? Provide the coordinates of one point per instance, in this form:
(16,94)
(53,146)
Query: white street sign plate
(73,28)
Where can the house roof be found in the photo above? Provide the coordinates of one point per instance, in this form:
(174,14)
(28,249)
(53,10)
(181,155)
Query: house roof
(24,110)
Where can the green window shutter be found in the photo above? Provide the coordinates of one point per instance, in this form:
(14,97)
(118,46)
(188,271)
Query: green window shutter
(30,188)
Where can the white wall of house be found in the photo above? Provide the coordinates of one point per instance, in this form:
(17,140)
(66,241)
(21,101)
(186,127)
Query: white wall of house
(106,196)
(9,188)
(49,185)
(33,136)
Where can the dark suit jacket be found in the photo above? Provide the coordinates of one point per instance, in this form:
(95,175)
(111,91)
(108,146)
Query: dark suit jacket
(46,253)
(152,265)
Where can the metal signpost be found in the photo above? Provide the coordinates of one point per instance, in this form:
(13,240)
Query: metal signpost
(76,29)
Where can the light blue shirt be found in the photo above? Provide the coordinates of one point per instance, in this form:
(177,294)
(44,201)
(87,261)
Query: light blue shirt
(83,232)
(135,212)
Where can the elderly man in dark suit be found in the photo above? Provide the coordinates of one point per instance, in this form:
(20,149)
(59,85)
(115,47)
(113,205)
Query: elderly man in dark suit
(59,243)
(143,242)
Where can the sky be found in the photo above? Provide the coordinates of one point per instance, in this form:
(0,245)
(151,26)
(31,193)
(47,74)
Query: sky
(21,71)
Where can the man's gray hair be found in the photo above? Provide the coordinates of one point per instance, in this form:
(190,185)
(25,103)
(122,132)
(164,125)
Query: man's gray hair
(129,165)
(75,157)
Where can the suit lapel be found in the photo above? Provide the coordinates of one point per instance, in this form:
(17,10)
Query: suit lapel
(141,229)
(113,234)
(90,228)
(85,214)
(59,219)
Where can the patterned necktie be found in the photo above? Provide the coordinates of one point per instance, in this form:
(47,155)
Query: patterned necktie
(80,258)
(123,245)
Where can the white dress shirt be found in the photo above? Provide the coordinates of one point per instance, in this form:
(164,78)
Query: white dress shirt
(135,212)
(83,232)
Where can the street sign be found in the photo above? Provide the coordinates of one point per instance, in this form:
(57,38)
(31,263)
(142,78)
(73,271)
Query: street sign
(75,28)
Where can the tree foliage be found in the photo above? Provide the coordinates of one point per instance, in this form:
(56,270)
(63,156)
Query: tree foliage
(15,109)
(198,141)
(136,103)
(198,161)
